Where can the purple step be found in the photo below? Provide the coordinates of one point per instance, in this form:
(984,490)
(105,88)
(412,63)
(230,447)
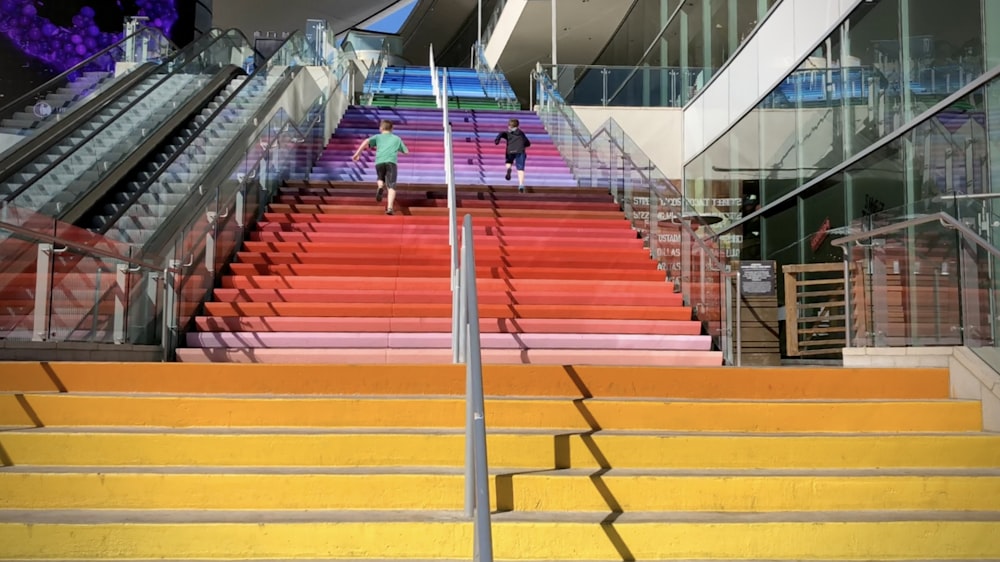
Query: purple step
(406,340)
(477,159)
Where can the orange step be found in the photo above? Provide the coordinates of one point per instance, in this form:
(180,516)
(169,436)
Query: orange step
(486,325)
(322,309)
(430,271)
(442,283)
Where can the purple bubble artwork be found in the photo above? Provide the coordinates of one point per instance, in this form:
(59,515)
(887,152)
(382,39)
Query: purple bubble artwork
(61,47)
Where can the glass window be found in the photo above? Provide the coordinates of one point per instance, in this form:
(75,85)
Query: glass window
(779,154)
(945,49)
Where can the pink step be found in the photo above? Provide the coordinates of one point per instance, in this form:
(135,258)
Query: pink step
(431,356)
(400,340)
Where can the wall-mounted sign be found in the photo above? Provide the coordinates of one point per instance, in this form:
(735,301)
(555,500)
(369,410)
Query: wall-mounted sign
(758,278)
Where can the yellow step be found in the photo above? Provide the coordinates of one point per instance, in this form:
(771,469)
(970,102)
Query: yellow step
(56,410)
(587,540)
(556,491)
(506,450)
(746,383)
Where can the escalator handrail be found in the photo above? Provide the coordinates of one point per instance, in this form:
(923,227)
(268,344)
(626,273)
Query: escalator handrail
(62,158)
(209,121)
(62,78)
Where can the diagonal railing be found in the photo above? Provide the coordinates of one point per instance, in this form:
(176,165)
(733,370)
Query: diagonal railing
(649,199)
(376,72)
(493,80)
(466,348)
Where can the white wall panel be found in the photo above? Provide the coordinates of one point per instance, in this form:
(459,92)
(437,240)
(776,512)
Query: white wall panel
(716,108)
(785,38)
(506,23)
(694,128)
(662,142)
(812,19)
(743,82)
(777,46)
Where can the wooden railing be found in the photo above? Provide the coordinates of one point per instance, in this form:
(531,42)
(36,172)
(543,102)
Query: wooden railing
(815,309)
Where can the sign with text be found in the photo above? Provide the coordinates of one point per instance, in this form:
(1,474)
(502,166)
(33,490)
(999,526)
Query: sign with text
(758,278)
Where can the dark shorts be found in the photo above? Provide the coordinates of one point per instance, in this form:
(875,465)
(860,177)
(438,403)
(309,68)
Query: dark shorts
(517,160)
(386,173)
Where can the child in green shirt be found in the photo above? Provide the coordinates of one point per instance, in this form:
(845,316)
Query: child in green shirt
(387,148)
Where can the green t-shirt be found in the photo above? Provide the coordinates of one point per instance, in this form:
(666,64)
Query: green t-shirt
(387,146)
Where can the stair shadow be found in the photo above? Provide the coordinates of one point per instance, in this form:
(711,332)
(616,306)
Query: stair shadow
(562,460)
(50,372)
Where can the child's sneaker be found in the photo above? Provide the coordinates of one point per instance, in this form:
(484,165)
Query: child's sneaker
(389,212)
(507,177)
(520,189)
(378,194)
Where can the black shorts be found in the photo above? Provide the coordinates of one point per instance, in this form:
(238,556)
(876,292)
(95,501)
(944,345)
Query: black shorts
(386,173)
(517,159)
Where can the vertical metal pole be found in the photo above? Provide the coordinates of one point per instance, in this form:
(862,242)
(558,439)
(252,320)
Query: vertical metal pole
(739,321)
(728,333)
(97,300)
(120,290)
(555,57)
(464,355)
(452,219)
(479,25)
(847,296)
(169,334)
(43,288)
(463,311)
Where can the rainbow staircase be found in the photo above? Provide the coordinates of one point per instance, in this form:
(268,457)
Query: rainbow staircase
(284,462)
(328,278)
(411,87)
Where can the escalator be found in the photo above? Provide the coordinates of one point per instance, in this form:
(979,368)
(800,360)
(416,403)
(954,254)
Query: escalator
(146,211)
(72,172)
(144,199)
(85,87)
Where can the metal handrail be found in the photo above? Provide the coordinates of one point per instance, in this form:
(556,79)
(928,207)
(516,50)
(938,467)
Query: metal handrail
(945,219)
(714,263)
(80,247)
(477,499)
(378,68)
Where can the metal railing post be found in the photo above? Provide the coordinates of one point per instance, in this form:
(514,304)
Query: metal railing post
(449,174)
(849,338)
(169,333)
(43,289)
(739,321)
(121,292)
(728,331)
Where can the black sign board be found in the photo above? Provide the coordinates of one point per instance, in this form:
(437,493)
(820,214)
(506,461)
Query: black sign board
(757,278)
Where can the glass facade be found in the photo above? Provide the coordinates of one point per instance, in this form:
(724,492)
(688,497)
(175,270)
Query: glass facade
(663,53)
(886,65)
(700,37)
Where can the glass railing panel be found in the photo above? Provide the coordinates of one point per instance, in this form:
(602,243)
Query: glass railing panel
(90,154)
(930,284)
(61,283)
(35,111)
(624,86)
